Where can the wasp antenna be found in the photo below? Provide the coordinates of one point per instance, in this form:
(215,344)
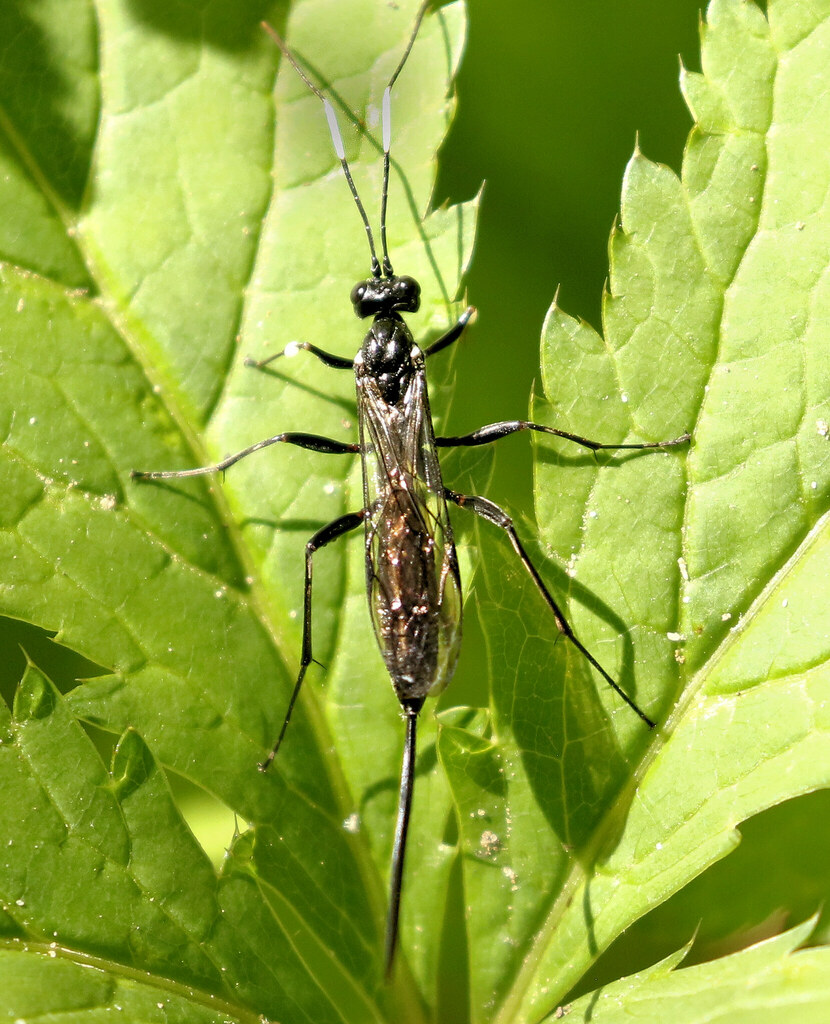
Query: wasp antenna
(292,60)
(336,138)
(419,17)
(386,122)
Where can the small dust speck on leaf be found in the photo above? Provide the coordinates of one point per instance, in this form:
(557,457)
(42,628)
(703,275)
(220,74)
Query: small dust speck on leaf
(511,877)
(490,843)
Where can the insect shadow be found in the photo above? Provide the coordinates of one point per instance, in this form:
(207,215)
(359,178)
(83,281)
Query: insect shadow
(598,459)
(346,404)
(412,572)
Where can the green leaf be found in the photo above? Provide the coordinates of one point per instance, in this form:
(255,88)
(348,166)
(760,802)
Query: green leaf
(166,212)
(694,579)
(783,850)
(172,231)
(743,988)
(100,871)
(39,982)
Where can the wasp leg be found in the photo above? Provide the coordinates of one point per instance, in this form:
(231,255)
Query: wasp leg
(493,514)
(335,529)
(453,334)
(338,362)
(313,442)
(495,431)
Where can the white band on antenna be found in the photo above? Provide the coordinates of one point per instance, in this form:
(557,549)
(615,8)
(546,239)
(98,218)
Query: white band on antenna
(334,129)
(386,119)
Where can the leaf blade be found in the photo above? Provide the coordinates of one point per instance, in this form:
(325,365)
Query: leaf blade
(690,307)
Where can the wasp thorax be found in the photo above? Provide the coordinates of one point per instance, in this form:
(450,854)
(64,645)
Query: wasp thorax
(386,295)
(386,355)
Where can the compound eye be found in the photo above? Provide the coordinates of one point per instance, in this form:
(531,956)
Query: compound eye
(362,299)
(406,294)
(413,293)
(408,287)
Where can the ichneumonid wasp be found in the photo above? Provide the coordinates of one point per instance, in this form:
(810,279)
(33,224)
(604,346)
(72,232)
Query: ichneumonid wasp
(412,574)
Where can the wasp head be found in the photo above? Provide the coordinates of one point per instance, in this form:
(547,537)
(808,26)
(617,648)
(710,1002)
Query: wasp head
(385,295)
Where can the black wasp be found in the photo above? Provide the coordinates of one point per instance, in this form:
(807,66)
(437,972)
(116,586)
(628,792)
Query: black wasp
(412,576)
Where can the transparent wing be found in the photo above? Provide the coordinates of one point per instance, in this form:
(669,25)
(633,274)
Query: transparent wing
(411,565)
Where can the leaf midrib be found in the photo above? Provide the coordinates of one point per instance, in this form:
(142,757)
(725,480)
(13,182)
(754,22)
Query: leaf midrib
(112,968)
